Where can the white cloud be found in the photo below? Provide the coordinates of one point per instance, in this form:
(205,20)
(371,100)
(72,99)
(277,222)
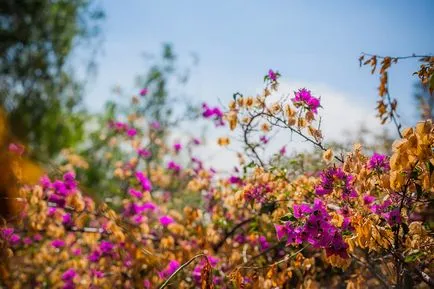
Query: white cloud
(340,113)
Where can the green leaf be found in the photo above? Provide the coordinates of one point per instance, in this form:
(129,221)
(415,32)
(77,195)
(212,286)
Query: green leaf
(412,257)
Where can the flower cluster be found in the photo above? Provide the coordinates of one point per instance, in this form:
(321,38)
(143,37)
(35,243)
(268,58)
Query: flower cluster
(272,221)
(303,97)
(312,225)
(336,179)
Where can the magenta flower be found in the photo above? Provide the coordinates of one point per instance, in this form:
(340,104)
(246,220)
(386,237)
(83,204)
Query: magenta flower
(303,97)
(58,243)
(215,113)
(51,211)
(138,219)
(336,178)
(45,182)
(143,91)
(166,220)
(177,147)
(264,139)
(68,275)
(263,243)
(66,219)
(170,269)
(272,75)
(146,284)
(174,167)
(14,239)
(393,217)
(134,193)
(97,274)
(27,241)
(131,132)
(119,126)
(37,237)
(17,149)
(106,247)
(149,206)
(282,151)
(94,256)
(144,153)
(6,232)
(144,181)
(368,199)
(235,180)
(76,251)
(301,211)
(197,271)
(379,163)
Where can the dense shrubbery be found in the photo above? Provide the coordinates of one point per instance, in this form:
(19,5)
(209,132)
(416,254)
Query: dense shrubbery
(349,221)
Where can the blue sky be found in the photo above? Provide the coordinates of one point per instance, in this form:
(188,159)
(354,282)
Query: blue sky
(311,42)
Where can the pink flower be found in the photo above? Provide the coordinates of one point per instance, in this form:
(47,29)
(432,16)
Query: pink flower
(144,153)
(97,274)
(143,91)
(66,219)
(134,193)
(282,151)
(58,243)
(173,167)
(235,180)
(303,97)
(147,284)
(170,269)
(131,132)
(393,217)
(37,237)
(144,181)
(16,148)
(14,239)
(149,206)
(379,162)
(177,147)
(166,220)
(68,275)
(272,75)
(368,199)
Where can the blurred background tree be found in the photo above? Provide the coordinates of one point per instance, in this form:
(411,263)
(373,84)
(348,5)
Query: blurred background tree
(39,89)
(159,102)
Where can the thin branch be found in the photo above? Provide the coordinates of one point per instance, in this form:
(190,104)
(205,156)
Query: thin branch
(166,282)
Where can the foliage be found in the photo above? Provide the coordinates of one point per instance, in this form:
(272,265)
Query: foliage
(38,87)
(347,220)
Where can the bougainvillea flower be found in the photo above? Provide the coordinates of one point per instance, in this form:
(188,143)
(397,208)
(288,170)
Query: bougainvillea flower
(143,91)
(16,148)
(68,275)
(144,153)
(177,147)
(135,193)
(303,97)
(173,167)
(166,220)
(170,269)
(144,181)
(58,243)
(379,162)
(272,75)
(131,132)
